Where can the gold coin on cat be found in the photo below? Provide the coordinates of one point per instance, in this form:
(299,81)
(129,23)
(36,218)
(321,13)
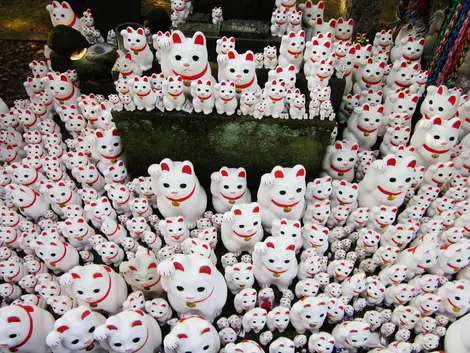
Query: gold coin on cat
(238,90)
(190,305)
(187,83)
(287,209)
(391,197)
(366,134)
(435,155)
(231,202)
(93,305)
(175,203)
(276,275)
(456,310)
(247,238)
(52,265)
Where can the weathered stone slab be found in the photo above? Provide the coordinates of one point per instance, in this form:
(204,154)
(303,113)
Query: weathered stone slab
(213,141)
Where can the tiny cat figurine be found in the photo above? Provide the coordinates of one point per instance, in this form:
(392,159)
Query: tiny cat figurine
(292,49)
(145,97)
(205,289)
(173,93)
(203,97)
(282,194)
(278,22)
(229,187)
(178,190)
(240,69)
(226,101)
(186,57)
(270,57)
(63,14)
(135,42)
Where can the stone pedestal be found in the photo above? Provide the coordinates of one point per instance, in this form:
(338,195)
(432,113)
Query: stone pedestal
(366,14)
(212,141)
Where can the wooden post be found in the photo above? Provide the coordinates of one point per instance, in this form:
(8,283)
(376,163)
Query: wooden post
(365,13)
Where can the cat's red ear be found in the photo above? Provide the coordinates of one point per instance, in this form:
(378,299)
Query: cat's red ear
(199,39)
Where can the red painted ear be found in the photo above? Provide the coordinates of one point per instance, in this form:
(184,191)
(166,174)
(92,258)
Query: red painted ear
(63,78)
(412,164)
(180,220)
(187,170)
(291,247)
(300,172)
(181,336)
(270,245)
(452,100)
(165,166)
(242,174)
(392,162)
(99,134)
(440,90)
(355,147)
(279,174)
(437,121)
(115,132)
(205,269)
(231,54)
(457,124)
(12,319)
(140,31)
(136,323)
(256,209)
(85,314)
(132,268)
(200,40)
(176,38)
(75,276)
(178,266)
(97,275)
(111,327)
(62,329)
(224,173)
(250,57)
(152,265)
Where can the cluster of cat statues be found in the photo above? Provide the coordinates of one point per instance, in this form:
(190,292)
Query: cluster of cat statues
(372,254)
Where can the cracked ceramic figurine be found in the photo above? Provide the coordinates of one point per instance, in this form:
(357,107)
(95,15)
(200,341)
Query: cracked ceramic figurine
(274,262)
(192,333)
(282,194)
(97,286)
(141,273)
(186,57)
(178,190)
(229,187)
(194,285)
(25,328)
(130,330)
(136,42)
(73,332)
(241,228)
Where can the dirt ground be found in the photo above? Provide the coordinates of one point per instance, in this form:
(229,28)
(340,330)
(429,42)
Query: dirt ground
(31,15)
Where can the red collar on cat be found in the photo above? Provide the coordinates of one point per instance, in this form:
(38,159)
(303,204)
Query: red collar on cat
(194,77)
(427,148)
(232,198)
(28,310)
(388,193)
(53,263)
(68,97)
(75,18)
(285,205)
(105,295)
(370,82)
(184,198)
(337,170)
(32,203)
(245,85)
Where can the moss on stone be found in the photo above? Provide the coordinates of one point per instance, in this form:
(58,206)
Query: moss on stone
(213,141)
(64,39)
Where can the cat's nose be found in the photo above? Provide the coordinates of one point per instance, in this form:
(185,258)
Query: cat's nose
(186,65)
(239,76)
